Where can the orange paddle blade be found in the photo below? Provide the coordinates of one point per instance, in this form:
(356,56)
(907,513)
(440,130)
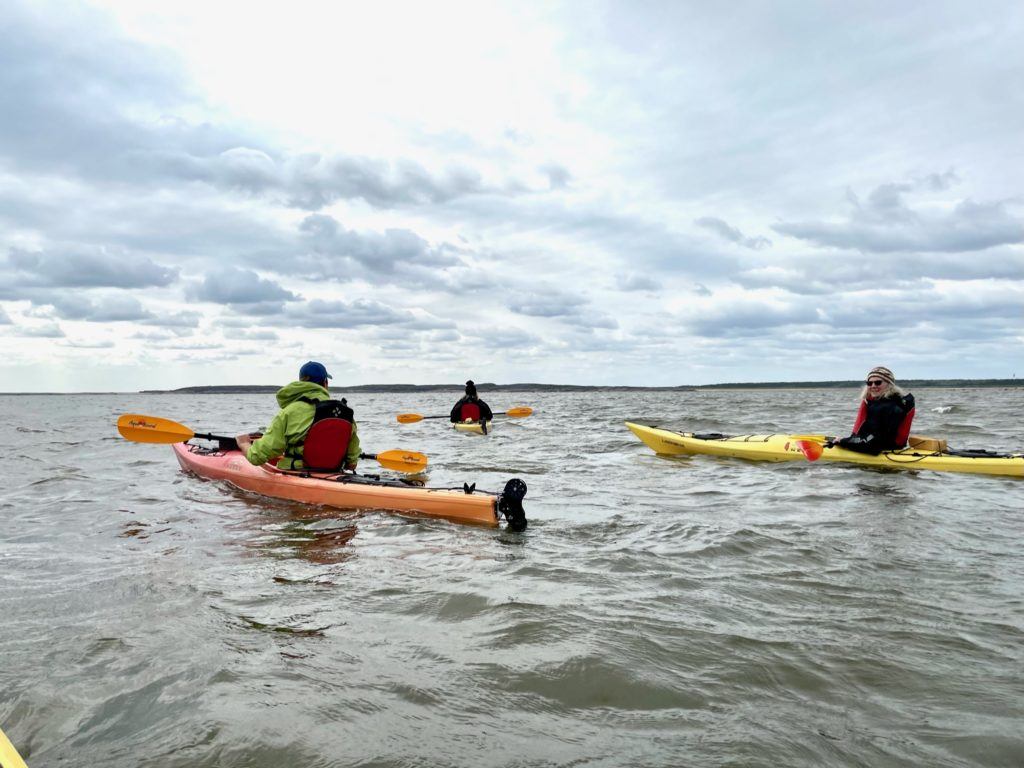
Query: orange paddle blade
(399,460)
(518,413)
(409,418)
(811,449)
(152,429)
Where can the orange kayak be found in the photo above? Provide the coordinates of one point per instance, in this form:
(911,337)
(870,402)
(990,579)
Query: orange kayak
(350,491)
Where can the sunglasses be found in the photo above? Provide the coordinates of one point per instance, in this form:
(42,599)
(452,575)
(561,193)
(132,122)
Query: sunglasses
(874,382)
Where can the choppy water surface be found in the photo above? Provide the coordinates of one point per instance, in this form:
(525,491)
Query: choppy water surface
(657,612)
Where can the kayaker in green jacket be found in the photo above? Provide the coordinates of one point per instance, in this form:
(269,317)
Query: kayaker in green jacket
(287,432)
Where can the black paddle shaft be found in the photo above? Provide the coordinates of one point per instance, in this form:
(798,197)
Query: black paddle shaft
(224,442)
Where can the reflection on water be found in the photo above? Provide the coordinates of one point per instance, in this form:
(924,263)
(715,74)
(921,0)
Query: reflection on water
(657,612)
(317,545)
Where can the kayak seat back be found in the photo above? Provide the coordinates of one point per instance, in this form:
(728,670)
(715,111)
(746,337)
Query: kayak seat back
(470,411)
(326,445)
(927,443)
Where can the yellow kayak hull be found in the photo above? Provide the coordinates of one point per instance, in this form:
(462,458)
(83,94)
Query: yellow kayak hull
(785,448)
(473,427)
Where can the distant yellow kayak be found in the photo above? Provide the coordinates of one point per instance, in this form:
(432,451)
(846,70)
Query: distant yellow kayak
(473,427)
(786,448)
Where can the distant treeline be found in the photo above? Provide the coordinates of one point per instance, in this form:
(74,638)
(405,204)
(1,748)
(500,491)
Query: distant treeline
(486,387)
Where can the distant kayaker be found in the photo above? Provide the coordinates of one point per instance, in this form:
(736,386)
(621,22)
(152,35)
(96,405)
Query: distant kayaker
(471,407)
(885,415)
(291,437)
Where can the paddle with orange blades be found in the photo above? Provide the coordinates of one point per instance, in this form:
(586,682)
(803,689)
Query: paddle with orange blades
(812,446)
(515,413)
(153,429)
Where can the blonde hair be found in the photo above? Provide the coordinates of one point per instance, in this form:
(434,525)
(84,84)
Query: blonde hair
(888,391)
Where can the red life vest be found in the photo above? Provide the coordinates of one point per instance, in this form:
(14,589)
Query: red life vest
(327,441)
(469,411)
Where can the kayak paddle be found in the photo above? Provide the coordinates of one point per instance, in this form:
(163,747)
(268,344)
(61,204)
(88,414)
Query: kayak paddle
(811,446)
(516,413)
(153,429)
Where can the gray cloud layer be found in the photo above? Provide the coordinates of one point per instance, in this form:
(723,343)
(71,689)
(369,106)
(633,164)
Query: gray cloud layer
(659,165)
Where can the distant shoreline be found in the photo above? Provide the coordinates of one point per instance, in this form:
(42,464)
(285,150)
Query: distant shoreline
(259,389)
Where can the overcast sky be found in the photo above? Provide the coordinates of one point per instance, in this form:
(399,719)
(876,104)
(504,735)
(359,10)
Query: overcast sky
(646,193)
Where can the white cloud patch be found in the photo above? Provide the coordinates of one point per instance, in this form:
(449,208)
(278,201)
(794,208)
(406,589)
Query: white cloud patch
(345,314)
(732,234)
(243,290)
(77,269)
(885,223)
(48,330)
(107,309)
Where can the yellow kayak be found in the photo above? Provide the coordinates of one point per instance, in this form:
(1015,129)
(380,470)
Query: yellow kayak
(473,427)
(9,757)
(785,448)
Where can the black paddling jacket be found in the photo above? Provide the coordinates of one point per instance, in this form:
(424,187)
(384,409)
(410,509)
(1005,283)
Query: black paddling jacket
(485,410)
(882,425)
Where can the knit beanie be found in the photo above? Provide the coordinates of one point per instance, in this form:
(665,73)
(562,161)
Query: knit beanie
(882,373)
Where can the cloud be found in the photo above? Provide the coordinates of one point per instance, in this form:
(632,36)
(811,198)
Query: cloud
(243,290)
(184,319)
(632,281)
(113,308)
(88,269)
(558,175)
(732,234)
(111,110)
(162,335)
(5,319)
(344,314)
(505,337)
(831,273)
(241,334)
(885,223)
(49,330)
(546,303)
(373,252)
(89,344)
(750,315)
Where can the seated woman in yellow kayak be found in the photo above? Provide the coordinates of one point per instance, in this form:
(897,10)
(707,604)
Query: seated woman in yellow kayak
(884,419)
(470,407)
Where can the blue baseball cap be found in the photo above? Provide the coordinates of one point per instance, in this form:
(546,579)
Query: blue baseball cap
(314,372)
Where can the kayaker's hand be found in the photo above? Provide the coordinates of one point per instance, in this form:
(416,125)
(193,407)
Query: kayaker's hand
(351,466)
(244,441)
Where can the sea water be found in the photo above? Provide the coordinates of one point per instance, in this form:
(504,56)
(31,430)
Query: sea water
(657,612)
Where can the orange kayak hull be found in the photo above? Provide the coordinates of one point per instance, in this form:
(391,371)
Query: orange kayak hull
(332,490)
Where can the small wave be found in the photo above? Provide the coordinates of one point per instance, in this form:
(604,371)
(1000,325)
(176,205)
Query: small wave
(944,409)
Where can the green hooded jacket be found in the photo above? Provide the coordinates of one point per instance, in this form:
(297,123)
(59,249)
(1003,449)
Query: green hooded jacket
(287,431)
